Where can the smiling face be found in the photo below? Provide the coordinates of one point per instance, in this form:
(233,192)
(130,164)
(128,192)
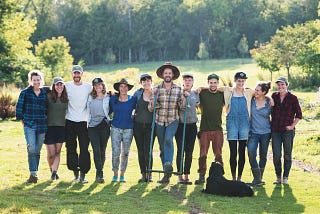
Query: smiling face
(258,92)
(98,87)
(282,87)
(36,81)
(123,89)
(187,83)
(146,83)
(76,76)
(167,75)
(240,83)
(213,84)
(59,87)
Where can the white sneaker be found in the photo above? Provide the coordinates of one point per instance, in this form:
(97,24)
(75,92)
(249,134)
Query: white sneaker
(285,180)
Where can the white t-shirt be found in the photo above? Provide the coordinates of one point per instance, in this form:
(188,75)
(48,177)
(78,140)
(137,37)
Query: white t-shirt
(77,105)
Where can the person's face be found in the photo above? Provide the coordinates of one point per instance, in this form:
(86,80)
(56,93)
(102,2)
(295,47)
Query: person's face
(76,76)
(98,87)
(123,89)
(213,84)
(146,83)
(167,75)
(258,92)
(282,87)
(187,83)
(59,87)
(36,81)
(240,83)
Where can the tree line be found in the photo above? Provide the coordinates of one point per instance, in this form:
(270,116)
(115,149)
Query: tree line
(126,31)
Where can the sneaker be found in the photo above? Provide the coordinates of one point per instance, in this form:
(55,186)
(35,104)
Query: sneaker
(114,178)
(122,179)
(76,176)
(53,175)
(57,176)
(187,181)
(100,180)
(285,180)
(278,181)
(181,180)
(168,169)
(83,179)
(32,179)
(201,180)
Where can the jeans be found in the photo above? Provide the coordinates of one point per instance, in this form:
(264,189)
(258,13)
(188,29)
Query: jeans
(121,141)
(216,137)
(82,161)
(190,137)
(34,144)
(142,135)
(284,139)
(99,136)
(165,136)
(261,140)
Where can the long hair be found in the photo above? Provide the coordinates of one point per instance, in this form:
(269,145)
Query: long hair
(94,92)
(54,95)
(265,86)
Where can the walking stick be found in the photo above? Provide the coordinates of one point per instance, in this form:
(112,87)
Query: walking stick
(183,134)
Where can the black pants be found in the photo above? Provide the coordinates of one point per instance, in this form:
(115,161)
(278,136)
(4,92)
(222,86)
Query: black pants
(142,135)
(77,162)
(234,149)
(190,137)
(99,136)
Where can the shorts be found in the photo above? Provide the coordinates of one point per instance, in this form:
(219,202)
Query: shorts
(238,128)
(55,134)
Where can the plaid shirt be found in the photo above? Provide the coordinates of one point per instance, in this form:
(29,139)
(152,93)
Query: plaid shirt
(168,103)
(32,109)
(284,113)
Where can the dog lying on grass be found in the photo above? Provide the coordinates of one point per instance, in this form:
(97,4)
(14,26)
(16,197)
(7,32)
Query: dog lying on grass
(217,184)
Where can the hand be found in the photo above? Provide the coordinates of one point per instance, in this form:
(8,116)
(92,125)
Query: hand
(198,90)
(186,94)
(289,128)
(155,91)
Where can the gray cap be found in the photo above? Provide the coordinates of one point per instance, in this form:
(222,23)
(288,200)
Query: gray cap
(282,79)
(77,68)
(57,80)
(187,75)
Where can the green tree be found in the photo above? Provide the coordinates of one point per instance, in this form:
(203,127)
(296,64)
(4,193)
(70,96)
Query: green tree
(53,55)
(243,46)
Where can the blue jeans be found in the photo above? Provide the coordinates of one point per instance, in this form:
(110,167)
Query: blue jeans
(34,144)
(284,139)
(121,141)
(165,136)
(255,140)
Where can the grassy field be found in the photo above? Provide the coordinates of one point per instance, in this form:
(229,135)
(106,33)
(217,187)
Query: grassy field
(64,196)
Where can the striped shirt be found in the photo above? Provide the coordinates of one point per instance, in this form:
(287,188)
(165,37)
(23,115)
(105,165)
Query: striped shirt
(167,105)
(32,109)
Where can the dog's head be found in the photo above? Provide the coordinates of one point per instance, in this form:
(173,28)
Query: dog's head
(216,169)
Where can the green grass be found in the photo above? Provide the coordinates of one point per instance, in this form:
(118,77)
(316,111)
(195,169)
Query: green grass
(63,196)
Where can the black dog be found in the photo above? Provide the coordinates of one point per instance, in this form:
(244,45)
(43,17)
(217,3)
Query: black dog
(219,185)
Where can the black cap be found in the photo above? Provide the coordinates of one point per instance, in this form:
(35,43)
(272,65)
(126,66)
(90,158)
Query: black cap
(213,76)
(240,75)
(145,76)
(97,80)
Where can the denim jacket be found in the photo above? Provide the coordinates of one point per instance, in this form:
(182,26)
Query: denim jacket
(105,106)
(138,93)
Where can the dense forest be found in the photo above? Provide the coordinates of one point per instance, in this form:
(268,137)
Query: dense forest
(126,31)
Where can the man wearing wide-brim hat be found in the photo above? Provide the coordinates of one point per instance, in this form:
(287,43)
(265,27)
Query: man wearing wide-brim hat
(168,99)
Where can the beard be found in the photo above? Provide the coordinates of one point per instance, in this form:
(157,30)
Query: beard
(167,79)
(76,79)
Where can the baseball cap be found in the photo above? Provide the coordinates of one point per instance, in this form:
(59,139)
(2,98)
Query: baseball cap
(187,75)
(282,79)
(213,76)
(77,68)
(57,80)
(145,76)
(240,75)
(97,80)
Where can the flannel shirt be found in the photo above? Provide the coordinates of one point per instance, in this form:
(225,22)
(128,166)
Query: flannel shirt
(284,113)
(32,109)
(167,104)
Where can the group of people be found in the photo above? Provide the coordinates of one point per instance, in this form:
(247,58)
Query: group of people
(78,113)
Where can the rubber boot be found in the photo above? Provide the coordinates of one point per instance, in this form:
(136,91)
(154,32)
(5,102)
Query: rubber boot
(256,177)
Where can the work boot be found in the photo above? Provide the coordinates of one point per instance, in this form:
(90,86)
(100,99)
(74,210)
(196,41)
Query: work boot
(54,175)
(76,175)
(143,178)
(83,178)
(201,179)
(32,179)
(256,177)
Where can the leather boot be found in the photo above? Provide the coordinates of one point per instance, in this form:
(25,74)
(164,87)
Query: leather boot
(256,177)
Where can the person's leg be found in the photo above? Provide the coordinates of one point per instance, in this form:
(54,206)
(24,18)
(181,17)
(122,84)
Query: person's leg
(233,157)
(125,148)
(263,149)
(116,138)
(168,142)
(71,147)
(287,153)
(242,157)
(190,138)
(148,141)
(204,143)
(56,161)
(178,137)
(95,143)
(161,130)
(30,136)
(252,150)
(104,137)
(139,138)
(277,150)
(51,152)
(217,144)
(84,156)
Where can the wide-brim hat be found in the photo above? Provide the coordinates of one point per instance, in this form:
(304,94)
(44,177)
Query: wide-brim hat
(122,81)
(175,70)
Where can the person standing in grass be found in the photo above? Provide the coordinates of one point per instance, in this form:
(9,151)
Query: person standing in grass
(142,127)
(98,124)
(169,98)
(76,125)
(211,104)
(122,106)
(285,116)
(190,130)
(238,107)
(55,136)
(260,131)
(31,109)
